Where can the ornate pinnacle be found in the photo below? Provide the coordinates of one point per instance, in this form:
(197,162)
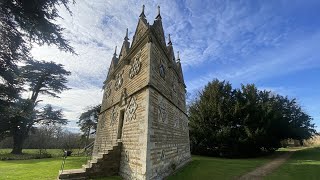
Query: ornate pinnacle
(142,13)
(170,43)
(178,58)
(126,38)
(158,16)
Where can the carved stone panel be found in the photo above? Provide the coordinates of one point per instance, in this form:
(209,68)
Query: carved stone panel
(123,98)
(107,91)
(126,156)
(131,109)
(114,116)
(119,80)
(162,110)
(162,71)
(135,67)
(102,120)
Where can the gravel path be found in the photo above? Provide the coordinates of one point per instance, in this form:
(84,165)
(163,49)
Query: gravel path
(267,168)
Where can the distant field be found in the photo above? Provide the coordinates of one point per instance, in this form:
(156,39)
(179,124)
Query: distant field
(304,164)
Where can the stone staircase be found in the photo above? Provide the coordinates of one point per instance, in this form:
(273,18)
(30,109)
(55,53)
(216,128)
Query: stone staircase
(102,164)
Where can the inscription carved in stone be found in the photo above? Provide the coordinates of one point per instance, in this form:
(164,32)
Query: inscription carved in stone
(135,67)
(114,115)
(131,109)
(119,80)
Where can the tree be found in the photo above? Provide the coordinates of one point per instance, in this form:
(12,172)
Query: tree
(88,121)
(244,122)
(41,77)
(24,23)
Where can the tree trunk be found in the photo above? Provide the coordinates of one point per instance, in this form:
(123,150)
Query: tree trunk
(18,139)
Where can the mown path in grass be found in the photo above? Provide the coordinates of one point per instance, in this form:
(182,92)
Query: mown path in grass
(260,172)
(203,167)
(304,164)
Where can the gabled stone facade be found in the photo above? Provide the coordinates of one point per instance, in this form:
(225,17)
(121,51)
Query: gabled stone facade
(144,106)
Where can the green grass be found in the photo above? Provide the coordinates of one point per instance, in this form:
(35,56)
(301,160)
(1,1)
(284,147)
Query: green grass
(36,168)
(303,164)
(203,167)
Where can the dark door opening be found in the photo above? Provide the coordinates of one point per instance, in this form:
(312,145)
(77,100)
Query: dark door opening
(120,124)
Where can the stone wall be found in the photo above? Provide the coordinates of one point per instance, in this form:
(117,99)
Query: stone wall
(131,99)
(168,134)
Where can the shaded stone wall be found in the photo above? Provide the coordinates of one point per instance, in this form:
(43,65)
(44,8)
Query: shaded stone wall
(168,134)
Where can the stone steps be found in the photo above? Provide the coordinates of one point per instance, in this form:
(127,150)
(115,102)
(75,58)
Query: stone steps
(102,164)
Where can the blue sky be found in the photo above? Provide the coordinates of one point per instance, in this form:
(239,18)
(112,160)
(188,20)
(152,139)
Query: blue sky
(274,44)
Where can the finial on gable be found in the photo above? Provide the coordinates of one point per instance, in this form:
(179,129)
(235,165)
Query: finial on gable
(169,43)
(142,13)
(158,16)
(126,38)
(115,52)
(178,58)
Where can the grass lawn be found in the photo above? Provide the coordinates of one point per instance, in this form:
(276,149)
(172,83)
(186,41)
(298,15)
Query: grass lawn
(203,167)
(303,164)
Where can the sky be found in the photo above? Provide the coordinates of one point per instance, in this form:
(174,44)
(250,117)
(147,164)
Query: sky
(274,44)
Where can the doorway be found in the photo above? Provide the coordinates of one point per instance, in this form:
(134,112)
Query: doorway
(120,127)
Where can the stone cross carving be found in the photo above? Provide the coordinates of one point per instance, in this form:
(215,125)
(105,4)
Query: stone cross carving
(135,67)
(131,109)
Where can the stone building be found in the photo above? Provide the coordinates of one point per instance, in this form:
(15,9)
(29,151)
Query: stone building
(143,126)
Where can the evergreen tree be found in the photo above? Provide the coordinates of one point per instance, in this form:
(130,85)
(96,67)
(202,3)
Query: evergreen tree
(45,78)
(88,121)
(244,122)
(22,24)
